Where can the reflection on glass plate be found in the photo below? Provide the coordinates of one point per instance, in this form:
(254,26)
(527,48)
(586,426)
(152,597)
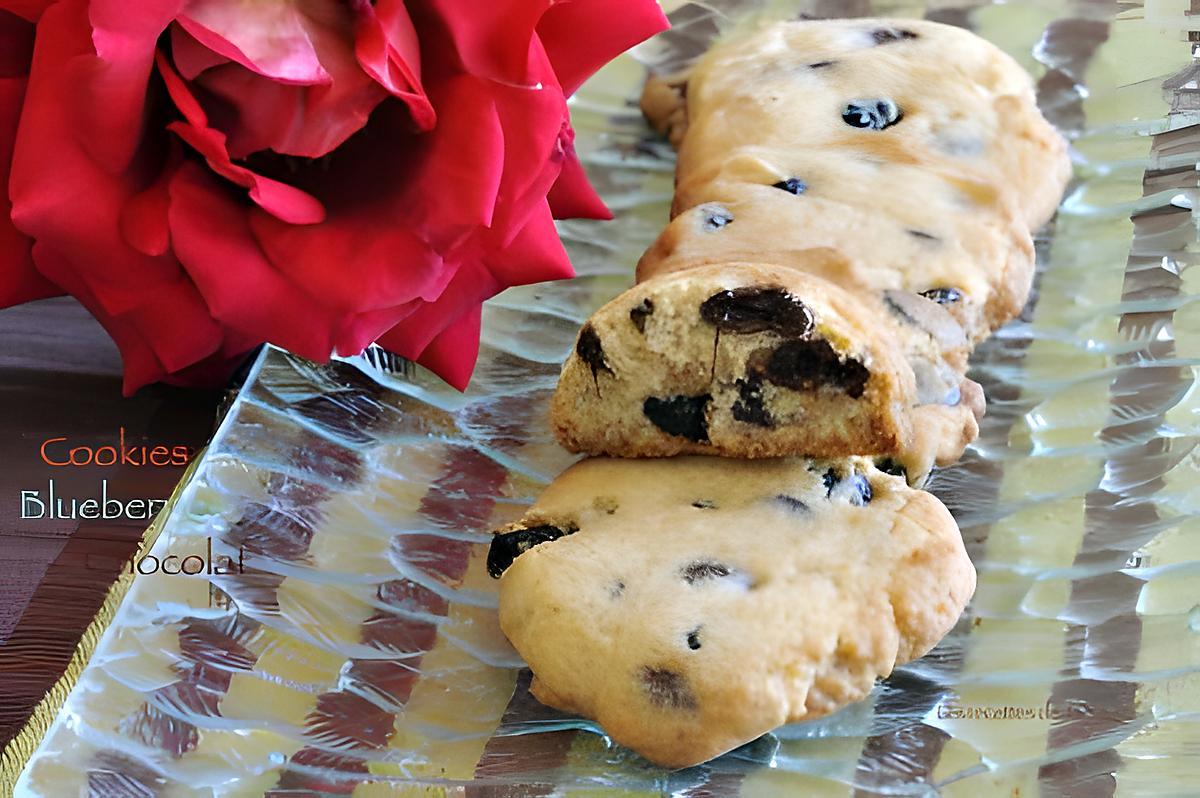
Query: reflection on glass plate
(346,641)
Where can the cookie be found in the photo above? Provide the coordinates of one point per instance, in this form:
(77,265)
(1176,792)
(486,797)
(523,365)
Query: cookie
(961,245)
(691,605)
(747,360)
(897,91)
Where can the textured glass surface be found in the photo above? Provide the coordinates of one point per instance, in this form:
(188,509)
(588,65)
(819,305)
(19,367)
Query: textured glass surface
(354,649)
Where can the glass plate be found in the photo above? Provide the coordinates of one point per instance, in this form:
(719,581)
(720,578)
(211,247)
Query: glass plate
(341,636)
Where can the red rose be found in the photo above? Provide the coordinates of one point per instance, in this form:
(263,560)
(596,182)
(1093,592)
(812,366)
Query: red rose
(206,175)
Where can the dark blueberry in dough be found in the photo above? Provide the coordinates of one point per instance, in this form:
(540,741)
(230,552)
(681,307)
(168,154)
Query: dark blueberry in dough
(922,235)
(508,546)
(820,64)
(590,351)
(871,114)
(704,504)
(891,466)
(693,639)
(855,489)
(703,569)
(953,396)
(755,309)
(808,365)
(793,185)
(680,415)
(666,689)
(617,588)
(749,407)
(889,35)
(791,503)
(638,314)
(943,296)
(716,217)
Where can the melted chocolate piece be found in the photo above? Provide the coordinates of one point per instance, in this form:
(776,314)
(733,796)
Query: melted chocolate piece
(791,503)
(755,309)
(889,35)
(704,504)
(590,351)
(808,365)
(638,314)
(871,114)
(693,639)
(943,296)
(703,569)
(666,689)
(749,406)
(679,415)
(793,185)
(508,546)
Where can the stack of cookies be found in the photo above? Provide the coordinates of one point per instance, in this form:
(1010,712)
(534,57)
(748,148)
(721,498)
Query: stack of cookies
(749,545)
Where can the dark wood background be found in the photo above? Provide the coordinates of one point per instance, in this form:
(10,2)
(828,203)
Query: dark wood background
(60,376)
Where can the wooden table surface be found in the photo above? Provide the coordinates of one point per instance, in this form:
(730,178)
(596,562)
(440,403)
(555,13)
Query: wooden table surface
(60,378)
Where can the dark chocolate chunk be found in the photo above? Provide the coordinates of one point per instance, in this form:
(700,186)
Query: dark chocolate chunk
(871,114)
(891,466)
(755,309)
(638,314)
(666,688)
(716,217)
(921,234)
(943,296)
(749,407)
(704,504)
(703,569)
(693,639)
(791,503)
(591,352)
(808,365)
(793,185)
(508,546)
(889,35)
(680,415)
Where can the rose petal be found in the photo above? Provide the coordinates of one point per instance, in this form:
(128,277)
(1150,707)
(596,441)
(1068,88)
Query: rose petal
(215,244)
(16,45)
(493,38)
(581,36)
(453,353)
(19,280)
(269,37)
(285,202)
(59,194)
(191,57)
(387,49)
(26,9)
(572,196)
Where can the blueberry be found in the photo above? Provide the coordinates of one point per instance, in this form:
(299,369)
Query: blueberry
(716,217)
(943,296)
(616,589)
(758,308)
(830,479)
(891,466)
(808,365)
(699,570)
(855,488)
(666,689)
(680,415)
(871,114)
(590,351)
(889,35)
(507,546)
(793,185)
(638,314)
(791,503)
(953,396)
(693,639)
